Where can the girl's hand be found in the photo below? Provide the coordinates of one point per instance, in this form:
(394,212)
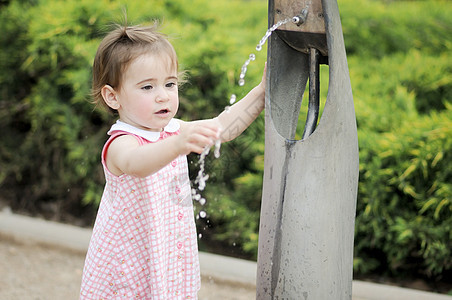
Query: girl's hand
(196,136)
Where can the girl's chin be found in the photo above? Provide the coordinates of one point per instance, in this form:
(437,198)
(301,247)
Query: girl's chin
(164,115)
(158,126)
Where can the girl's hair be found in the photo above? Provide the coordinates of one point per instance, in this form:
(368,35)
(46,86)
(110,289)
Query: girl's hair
(119,48)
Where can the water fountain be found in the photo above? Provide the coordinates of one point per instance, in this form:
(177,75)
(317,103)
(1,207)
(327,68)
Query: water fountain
(310,185)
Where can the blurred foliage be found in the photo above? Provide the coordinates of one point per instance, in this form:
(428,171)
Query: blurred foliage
(401,73)
(404,218)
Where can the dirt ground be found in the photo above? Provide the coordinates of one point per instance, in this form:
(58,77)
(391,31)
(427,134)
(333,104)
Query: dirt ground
(40,272)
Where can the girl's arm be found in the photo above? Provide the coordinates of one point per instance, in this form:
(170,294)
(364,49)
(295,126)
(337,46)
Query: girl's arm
(126,156)
(239,116)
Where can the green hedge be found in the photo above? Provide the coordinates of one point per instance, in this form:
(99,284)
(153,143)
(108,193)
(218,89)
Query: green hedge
(400,67)
(401,78)
(404,218)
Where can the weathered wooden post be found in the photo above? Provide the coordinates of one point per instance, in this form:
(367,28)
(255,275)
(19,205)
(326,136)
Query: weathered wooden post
(310,186)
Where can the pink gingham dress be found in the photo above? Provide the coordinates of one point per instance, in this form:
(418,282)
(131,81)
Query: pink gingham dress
(144,243)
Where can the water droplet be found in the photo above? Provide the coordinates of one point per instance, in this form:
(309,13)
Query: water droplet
(232,99)
(217,148)
(202,201)
(197,197)
(252,56)
(258,48)
(202,214)
(200,235)
(201,178)
(241,82)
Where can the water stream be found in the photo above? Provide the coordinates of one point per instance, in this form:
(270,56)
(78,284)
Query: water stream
(201,178)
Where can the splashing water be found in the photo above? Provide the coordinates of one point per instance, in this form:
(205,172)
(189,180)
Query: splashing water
(201,177)
(216,153)
(232,99)
(270,31)
(252,56)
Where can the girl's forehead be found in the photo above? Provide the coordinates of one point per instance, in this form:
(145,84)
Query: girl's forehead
(158,59)
(148,63)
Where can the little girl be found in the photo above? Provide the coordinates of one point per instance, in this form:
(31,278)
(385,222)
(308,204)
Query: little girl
(144,242)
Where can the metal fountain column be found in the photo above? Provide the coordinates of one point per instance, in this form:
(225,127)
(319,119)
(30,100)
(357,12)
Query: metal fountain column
(310,186)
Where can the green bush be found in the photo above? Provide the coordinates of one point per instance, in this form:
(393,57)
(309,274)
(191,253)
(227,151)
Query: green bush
(399,86)
(400,68)
(403,106)
(404,221)
(374,29)
(53,152)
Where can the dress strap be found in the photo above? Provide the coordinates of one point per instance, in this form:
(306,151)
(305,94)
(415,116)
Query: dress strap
(116,134)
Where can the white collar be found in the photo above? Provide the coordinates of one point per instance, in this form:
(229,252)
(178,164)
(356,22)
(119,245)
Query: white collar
(151,136)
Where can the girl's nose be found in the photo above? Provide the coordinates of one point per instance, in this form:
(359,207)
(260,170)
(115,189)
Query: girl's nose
(162,95)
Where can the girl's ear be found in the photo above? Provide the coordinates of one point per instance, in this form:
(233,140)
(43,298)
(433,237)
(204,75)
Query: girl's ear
(110,97)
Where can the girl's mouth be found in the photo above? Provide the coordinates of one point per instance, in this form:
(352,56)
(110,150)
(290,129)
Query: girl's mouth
(162,111)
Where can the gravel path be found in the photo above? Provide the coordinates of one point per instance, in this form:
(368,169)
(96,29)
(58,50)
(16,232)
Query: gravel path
(40,272)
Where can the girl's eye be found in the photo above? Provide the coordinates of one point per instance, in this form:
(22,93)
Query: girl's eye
(171,84)
(147,87)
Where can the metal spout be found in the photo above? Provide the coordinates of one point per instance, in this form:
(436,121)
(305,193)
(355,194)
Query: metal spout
(301,18)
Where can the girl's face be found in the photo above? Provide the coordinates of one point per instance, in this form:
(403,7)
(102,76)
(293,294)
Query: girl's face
(148,97)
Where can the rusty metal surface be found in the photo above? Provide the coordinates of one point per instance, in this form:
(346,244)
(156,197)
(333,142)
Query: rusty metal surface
(314,23)
(310,33)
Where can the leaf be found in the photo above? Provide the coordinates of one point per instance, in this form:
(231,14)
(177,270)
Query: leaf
(440,206)
(408,171)
(437,158)
(427,205)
